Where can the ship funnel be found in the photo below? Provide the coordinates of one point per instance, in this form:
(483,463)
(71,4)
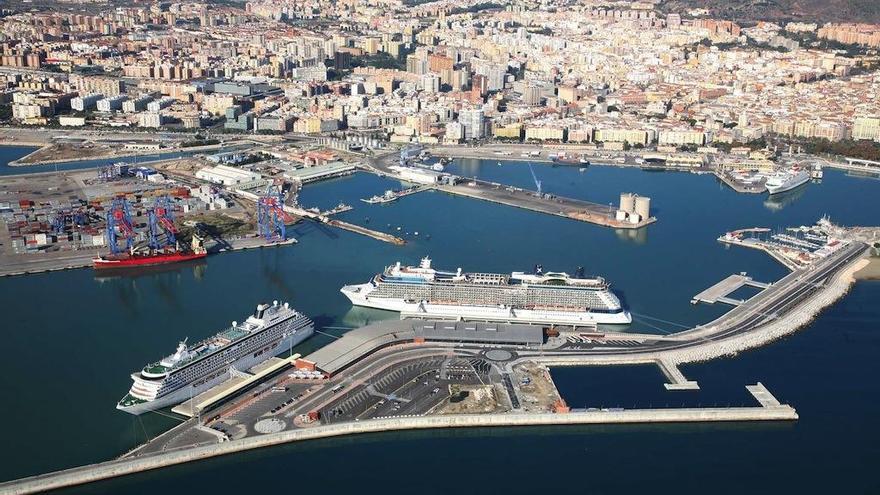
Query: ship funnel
(579,273)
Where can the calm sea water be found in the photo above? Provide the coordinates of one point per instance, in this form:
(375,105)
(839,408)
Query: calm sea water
(72,340)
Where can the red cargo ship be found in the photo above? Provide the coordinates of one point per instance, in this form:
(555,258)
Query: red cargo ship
(128,261)
(160,220)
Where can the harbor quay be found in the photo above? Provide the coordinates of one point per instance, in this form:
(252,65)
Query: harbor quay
(575,209)
(571,208)
(426,373)
(127,466)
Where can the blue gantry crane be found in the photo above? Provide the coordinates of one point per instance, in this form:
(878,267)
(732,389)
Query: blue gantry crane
(161,221)
(271,217)
(119,225)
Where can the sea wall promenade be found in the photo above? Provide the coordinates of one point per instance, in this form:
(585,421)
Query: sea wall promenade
(126,466)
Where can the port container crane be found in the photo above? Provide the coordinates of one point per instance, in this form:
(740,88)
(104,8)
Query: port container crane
(161,217)
(535,178)
(119,224)
(271,217)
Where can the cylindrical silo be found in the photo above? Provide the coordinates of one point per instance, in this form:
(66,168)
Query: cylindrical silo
(628,202)
(643,206)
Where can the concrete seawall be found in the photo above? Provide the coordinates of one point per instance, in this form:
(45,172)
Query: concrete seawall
(122,467)
(788,324)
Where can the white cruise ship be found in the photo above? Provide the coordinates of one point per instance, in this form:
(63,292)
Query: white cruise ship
(194,369)
(787,180)
(540,298)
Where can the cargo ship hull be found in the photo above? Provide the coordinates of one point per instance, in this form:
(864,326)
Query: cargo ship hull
(104,263)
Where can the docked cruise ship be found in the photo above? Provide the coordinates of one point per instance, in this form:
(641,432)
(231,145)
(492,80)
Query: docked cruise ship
(787,180)
(194,369)
(541,298)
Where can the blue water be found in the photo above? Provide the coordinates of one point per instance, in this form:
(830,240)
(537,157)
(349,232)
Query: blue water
(72,340)
(826,371)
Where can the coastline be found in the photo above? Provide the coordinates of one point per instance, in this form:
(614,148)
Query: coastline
(870,271)
(22,162)
(131,465)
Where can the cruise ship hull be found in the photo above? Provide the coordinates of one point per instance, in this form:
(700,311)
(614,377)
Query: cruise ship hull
(244,363)
(359,296)
(789,184)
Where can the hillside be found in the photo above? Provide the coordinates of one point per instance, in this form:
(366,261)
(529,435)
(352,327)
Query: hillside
(820,11)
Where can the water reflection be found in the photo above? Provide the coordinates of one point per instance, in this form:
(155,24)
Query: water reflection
(638,236)
(196,266)
(779,201)
(359,316)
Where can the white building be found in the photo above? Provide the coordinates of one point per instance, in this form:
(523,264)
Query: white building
(138,104)
(227,176)
(431,83)
(87,102)
(417,175)
(151,119)
(473,123)
(112,103)
(165,102)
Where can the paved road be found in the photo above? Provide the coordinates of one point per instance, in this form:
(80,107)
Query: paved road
(781,298)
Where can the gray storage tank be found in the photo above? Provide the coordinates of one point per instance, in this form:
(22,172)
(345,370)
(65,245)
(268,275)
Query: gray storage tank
(628,202)
(643,207)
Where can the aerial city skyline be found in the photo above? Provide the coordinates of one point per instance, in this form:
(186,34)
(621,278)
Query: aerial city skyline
(402,233)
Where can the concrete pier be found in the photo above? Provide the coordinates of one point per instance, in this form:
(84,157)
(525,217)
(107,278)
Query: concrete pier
(575,209)
(126,466)
(738,186)
(677,380)
(357,229)
(720,291)
(760,392)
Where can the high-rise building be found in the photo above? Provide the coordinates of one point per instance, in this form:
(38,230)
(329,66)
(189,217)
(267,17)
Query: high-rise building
(473,123)
(431,83)
(866,128)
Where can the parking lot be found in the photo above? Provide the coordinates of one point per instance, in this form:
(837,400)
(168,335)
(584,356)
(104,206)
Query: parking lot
(412,389)
(273,399)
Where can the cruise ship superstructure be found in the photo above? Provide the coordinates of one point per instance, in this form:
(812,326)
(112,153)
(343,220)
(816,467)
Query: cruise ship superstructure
(787,180)
(193,369)
(540,298)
